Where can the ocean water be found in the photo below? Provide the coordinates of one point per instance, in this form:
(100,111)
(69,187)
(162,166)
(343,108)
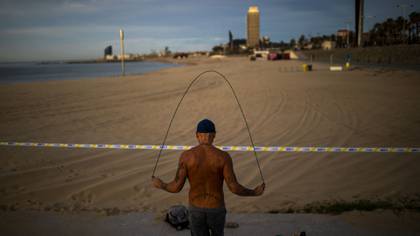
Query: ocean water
(32,71)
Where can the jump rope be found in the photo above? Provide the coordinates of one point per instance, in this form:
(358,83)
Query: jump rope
(179,104)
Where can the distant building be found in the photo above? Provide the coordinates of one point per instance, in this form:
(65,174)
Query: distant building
(308,46)
(230,40)
(343,33)
(253,27)
(239,44)
(261,53)
(127,56)
(344,38)
(110,57)
(291,54)
(108,51)
(265,42)
(328,45)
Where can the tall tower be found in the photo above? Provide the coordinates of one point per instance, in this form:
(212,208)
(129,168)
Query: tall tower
(359,21)
(230,40)
(253,27)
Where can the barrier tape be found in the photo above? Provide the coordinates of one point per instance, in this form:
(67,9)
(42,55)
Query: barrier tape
(225,148)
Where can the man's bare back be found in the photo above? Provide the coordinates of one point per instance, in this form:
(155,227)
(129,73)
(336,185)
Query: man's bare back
(206,167)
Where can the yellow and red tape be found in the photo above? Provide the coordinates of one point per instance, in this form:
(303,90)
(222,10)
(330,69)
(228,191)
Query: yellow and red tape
(225,148)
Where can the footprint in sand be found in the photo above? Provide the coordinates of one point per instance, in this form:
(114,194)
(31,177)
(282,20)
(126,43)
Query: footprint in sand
(60,168)
(137,188)
(73,174)
(84,198)
(15,189)
(142,191)
(34,204)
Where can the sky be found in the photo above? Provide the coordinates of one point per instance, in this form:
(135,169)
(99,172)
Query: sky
(41,30)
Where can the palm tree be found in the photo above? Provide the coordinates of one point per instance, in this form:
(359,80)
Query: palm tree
(378,34)
(292,43)
(400,28)
(302,41)
(415,27)
(389,28)
(395,31)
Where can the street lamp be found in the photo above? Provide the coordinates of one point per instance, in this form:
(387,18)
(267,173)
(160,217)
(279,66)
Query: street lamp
(122,51)
(348,22)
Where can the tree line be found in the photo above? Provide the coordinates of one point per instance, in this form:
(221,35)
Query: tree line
(395,31)
(389,32)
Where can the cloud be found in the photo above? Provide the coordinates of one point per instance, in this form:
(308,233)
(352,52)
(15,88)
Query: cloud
(76,42)
(27,8)
(64,31)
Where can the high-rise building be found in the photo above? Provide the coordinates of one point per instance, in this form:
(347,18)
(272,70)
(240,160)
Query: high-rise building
(230,40)
(108,51)
(253,27)
(359,21)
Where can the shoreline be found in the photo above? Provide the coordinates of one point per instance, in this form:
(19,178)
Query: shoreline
(86,76)
(194,61)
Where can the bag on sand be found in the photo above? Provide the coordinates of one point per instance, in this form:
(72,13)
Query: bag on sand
(177,216)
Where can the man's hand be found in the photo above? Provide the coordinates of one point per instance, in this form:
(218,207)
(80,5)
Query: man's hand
(156,182)
(259,190)
(175,186)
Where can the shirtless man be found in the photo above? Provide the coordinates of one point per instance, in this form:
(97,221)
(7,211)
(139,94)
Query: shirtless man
(206,167)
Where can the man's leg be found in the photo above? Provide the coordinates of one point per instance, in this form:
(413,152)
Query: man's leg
(216,222)
(198,223)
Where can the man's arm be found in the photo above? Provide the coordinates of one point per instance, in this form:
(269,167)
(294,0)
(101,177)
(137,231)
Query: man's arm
(177,184)
(233,184)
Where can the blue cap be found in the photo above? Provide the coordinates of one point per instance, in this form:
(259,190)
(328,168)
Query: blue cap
(206,126)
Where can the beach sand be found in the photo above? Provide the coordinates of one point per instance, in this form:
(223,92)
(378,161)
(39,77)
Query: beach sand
(139,223)
(284,107)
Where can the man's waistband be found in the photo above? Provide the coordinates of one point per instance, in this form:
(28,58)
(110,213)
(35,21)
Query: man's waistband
(207,210)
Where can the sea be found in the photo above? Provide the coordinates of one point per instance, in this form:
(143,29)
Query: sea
(36,71)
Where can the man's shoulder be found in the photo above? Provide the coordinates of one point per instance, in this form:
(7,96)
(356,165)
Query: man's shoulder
(198,148)
(222,153)
(187,153)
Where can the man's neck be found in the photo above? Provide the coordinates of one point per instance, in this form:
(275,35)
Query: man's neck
(206,144)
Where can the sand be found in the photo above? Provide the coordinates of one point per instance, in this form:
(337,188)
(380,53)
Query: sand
(139,223)
(284,107)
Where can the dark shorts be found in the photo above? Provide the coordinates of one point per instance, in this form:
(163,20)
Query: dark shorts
(206,220)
